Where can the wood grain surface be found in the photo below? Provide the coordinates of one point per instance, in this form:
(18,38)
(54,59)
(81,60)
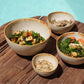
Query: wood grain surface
(16,69)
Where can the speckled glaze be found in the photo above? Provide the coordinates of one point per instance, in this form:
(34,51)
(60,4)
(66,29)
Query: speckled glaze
(48,57)
(68,59)
(60,16)
(27,24)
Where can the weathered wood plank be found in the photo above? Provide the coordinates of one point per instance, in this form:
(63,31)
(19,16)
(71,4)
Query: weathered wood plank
(69,76)
(20,75)
(15,69)
(5,51)
(22,64)
(9,74)
(27,77)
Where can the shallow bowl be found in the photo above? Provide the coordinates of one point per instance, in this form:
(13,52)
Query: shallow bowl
(47,57)
(65,58)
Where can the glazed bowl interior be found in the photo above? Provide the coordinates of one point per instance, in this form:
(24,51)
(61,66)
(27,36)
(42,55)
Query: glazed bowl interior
(58,16)
(27,24)
(47,57)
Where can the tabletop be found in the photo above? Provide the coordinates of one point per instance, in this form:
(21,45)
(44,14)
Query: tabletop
(16,69)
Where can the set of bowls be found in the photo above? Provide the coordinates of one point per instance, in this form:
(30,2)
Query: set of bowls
(45,31)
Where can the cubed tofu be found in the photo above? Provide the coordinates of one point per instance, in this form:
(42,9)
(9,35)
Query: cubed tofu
(74,46)
(13,39)
(22,43)
(40,41)
(34,41)
(30,38)
(74,54)
(17,32)
(25,34)
(20,39)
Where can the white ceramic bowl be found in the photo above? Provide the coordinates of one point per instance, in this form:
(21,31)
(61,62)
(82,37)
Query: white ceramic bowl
(27,24)
(65,58)
(47,57)
(58,16)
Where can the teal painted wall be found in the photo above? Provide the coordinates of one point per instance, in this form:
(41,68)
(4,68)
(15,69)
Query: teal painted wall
(15,9)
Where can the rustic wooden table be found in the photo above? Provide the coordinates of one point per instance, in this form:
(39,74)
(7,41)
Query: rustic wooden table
(16,69)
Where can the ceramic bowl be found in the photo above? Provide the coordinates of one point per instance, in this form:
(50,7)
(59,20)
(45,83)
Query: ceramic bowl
(59,16)
(65,58)
(47,57)
(27,24)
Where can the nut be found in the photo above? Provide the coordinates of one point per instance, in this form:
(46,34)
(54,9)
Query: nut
(34,41)
(40,41)
(74,54)
(30,38)
(22,43)
(20,39)
(17,32)
(25,34)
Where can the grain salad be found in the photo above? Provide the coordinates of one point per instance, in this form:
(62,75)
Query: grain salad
(44,66)
(61,23)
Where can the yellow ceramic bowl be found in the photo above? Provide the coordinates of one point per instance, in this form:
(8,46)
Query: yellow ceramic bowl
(27,24)
(48,57)
(68,59)
(59,16)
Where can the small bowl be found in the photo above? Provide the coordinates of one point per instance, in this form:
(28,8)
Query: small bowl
(27,24)
(47,57)
(65,58)
(59,16)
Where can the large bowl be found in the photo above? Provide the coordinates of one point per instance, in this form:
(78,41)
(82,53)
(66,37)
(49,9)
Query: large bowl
(65,58)
(59,16)
(27,24)
(48,57)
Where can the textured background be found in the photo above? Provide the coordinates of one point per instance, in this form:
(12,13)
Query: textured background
(15,9)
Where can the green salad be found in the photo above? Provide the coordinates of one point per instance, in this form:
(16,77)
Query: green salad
(26,37)
(72,47)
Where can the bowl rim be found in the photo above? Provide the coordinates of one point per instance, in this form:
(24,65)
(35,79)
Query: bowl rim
(65,35)
(63,13)
(33,59)
(32,19)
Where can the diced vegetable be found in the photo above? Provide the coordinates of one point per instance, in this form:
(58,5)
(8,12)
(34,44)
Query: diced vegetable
(72,47)
(29,33)
(76,42)
(38,39)
(26,37)
(16,42)
(82,41)
(42,39)
(25,34)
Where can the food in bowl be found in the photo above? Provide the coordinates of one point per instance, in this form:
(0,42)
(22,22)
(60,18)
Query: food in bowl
(26,37)
(27,24)
(61,23)
(44,66)
(72,47)
(69,45)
